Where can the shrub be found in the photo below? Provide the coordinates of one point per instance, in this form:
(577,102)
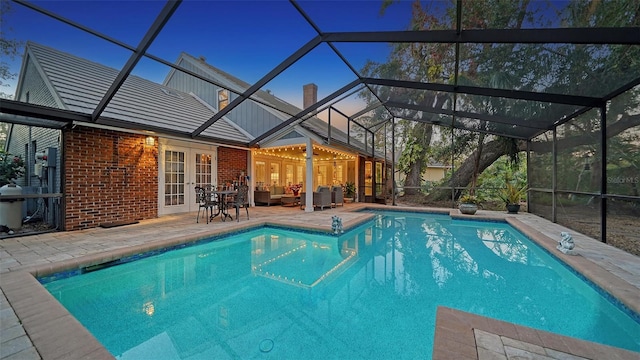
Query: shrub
(11,167)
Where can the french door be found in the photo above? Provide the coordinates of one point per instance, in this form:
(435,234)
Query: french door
(181,170)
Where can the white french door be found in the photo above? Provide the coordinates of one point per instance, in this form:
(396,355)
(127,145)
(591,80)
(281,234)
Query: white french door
(181,170)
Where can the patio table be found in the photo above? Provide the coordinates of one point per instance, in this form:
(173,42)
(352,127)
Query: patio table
(223,209)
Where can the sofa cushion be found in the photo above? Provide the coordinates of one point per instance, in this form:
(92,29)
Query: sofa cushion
(277,190)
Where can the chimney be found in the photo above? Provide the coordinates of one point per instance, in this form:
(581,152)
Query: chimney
(310,95)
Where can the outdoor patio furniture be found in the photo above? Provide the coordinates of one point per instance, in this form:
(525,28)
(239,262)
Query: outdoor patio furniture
(268,197)
(321,198)
(290,200)
(225,196)
(241,200)
(337,196)
(206,200)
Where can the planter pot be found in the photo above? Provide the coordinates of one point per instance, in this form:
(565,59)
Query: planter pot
(513,208)
(468,209)
(11,210)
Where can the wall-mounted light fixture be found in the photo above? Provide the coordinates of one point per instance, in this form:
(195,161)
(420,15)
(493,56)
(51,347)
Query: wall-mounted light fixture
(150,140)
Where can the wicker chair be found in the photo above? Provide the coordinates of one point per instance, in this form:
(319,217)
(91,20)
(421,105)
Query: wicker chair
(321,198)
(337,196)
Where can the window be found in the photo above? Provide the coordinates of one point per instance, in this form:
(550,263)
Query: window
(300,174)
(204,166)
(288,174)
(275,174)
(338,177)
(261,176)
(174,174)
(223,99)
(321,176)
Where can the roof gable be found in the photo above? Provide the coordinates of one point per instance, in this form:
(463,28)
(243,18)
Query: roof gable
(139,103)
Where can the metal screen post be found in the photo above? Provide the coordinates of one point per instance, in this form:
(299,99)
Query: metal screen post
(554,174)
(603,173)
(393,161)
(453,170)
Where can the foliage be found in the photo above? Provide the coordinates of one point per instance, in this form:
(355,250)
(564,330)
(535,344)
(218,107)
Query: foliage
(349,189)
(552,68)
(4,131)
(512,194)
(11,167)
(496,176)
(413,149)
(8,48)
(470,199)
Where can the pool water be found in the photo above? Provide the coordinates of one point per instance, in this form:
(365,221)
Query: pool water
(371,293)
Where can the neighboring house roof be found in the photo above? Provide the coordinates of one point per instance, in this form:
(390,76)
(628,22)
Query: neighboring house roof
(80,84)
(439,165)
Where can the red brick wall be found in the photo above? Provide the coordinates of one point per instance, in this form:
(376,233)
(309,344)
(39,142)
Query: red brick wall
(109,176)
(230,163)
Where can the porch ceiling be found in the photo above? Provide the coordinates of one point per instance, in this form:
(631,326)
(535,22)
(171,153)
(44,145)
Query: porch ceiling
(298,153)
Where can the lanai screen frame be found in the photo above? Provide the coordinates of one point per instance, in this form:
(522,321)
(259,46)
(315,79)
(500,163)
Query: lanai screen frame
(30,114)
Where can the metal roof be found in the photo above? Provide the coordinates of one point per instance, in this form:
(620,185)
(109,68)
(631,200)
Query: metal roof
(520,108)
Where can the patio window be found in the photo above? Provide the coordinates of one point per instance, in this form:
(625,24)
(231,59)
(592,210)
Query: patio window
(338,175)
(300,174)
(275,173)
(261,176)
(288,174)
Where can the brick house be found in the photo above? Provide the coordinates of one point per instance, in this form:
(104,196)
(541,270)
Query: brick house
(137,159)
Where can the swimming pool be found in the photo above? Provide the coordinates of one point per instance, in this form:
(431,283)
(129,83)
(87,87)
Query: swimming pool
(370,293)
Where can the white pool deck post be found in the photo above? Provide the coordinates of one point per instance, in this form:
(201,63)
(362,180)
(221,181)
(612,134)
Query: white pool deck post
(309,176)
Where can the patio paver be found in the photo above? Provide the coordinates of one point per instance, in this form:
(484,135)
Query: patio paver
(603,264)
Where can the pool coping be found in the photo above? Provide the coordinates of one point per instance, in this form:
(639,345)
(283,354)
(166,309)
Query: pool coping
(56,334)
(455,339)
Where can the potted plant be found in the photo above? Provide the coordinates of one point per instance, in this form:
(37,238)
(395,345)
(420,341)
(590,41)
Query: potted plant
(511,195)
(349,191)
(468,204)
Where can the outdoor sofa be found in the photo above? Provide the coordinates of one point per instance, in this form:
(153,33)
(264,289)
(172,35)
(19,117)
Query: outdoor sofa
(268,197)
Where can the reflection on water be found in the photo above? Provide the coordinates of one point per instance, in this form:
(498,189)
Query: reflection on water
(298,261)
(371,293)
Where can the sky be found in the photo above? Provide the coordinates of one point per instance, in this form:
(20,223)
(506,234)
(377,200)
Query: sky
(244,38)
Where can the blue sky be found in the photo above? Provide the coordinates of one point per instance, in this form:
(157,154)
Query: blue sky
(244,38)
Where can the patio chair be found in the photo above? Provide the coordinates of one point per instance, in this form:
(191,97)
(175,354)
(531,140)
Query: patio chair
(206,201)
(337,196)
(241,200)
(321,198)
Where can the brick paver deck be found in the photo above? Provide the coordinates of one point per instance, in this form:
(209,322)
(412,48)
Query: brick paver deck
(35,326)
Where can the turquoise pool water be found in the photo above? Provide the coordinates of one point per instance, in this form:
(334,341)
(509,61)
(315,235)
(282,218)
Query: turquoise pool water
(369,294)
